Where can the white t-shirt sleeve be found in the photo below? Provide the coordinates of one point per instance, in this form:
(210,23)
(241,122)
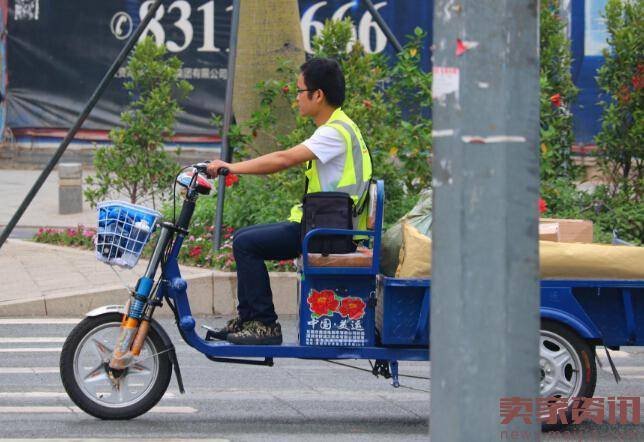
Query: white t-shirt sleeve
(326,143)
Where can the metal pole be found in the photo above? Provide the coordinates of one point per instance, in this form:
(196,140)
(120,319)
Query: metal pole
(485,292)
(381,22)
(226,152)
(79,122)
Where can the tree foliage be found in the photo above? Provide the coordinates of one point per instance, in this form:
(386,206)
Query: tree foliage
(558,172)
(388,99)
(621,140)
(137,163)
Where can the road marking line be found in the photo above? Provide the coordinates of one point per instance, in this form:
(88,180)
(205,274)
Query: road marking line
(51,394)
(51,340)
(61,409)
(613,353)
(31,350)
(627,368)
(28,370)
(13,321)
(111,440)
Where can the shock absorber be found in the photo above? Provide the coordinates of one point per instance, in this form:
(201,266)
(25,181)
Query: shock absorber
(122,354)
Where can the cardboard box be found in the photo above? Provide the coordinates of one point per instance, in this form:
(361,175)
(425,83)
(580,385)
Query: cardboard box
(572,230)
(549,232)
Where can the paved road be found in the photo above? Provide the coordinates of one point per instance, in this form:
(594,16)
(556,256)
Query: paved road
(293,401)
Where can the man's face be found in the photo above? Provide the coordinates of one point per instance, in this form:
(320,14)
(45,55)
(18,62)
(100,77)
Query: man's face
(306,100)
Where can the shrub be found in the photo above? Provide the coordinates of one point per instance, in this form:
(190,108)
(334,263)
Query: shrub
(557,94)
(621,149)
(137,163)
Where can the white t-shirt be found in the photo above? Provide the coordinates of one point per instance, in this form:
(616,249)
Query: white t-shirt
(328,146)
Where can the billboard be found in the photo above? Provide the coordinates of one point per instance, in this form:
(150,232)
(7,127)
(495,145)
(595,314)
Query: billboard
(57,52)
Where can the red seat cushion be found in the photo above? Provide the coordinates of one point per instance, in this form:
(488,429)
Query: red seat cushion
(362,257)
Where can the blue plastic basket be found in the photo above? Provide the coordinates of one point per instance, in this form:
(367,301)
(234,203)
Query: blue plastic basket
(123,230)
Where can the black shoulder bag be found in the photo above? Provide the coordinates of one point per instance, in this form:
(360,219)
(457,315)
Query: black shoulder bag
(333,210)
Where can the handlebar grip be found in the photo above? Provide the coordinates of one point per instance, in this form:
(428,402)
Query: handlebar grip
(223,171)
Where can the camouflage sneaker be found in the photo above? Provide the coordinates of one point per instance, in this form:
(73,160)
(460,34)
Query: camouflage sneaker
(232,326)
(257,333)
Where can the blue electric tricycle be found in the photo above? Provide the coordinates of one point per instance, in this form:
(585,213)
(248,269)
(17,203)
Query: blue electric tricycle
(118,361)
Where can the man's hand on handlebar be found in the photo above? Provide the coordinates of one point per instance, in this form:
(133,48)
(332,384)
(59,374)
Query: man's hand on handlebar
(215,168)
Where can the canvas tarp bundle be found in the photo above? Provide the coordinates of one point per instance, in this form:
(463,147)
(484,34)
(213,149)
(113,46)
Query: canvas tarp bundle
(557,260)
(420,217)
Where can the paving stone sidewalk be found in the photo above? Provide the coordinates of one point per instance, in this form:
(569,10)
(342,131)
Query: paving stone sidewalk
(43,210)
(39,279)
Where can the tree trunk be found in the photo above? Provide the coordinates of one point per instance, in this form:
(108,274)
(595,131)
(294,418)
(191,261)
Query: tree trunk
(268,30)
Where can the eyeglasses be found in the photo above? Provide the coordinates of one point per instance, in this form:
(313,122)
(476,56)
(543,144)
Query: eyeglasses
(299,91)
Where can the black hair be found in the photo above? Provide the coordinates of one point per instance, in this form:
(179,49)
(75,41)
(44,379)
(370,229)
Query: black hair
(325,74)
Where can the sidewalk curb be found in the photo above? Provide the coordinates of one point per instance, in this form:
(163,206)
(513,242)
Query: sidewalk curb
(212,293)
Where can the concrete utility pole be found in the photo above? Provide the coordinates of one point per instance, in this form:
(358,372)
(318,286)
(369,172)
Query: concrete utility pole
(485,294)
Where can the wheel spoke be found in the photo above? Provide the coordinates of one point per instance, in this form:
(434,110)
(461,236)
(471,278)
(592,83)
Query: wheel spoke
(561,359)
(102,351)
(563,387)
(138,369)
(95,375)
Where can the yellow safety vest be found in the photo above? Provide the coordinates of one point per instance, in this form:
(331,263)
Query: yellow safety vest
(356,173)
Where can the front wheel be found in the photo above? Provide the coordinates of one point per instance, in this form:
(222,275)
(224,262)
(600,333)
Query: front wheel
(101,392)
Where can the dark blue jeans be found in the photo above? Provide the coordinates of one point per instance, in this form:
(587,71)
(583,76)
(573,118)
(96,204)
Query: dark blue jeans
(252,246)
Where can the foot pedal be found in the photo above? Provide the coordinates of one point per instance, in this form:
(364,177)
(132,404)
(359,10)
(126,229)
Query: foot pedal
(210,333)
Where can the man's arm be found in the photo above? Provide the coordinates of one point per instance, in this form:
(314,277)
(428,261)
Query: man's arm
(266,164)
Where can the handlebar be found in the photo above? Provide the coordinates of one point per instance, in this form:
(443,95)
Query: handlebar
(203,168)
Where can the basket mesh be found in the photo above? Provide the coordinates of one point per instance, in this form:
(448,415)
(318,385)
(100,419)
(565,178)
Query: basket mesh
(123,231)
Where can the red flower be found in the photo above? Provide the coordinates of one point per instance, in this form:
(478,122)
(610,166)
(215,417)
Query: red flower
(624,94)
(231,179)
(556,100)
(542,205)
(285,89)
(352,308)
(367,104)
(323,303)
(638,78)
(195,252)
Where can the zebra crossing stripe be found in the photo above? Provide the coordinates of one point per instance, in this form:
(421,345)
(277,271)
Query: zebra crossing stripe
(55,409)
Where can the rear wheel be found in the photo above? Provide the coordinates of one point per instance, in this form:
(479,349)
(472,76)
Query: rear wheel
(105,393)
(568,369)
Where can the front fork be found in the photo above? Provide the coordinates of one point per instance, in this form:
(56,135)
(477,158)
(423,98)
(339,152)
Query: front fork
(139,309)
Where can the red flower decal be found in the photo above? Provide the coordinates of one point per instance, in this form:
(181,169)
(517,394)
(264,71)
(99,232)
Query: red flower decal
(231,179)
(323,303)
(542,205)
(556,100)
(352,308)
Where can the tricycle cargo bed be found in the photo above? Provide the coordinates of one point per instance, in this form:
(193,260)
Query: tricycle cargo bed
(610,312)
(402,311)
